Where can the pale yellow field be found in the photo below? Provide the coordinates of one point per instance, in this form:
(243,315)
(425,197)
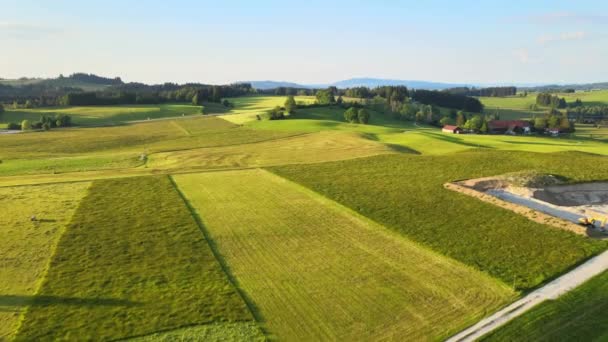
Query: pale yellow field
(27,246)
(317,271)
(305,148)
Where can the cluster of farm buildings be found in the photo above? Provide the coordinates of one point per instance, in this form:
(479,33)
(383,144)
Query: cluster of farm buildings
(501,127)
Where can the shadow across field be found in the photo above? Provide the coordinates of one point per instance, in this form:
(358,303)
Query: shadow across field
(255,311)
(454,140)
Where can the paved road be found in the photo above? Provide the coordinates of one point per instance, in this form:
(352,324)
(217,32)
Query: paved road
(552,290)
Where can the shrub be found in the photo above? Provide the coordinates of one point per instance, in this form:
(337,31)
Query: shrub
(290,105)
(351,115)
(363,116)
(13,126)
(276,113)
(26,125)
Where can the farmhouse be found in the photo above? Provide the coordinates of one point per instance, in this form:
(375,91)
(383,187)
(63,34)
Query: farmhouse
(451,129)
(509,126)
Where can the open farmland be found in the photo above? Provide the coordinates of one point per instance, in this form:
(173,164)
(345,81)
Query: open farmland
(103,115)
(414,203)
(317,271)
(26,246)
(125,268)
(578,315)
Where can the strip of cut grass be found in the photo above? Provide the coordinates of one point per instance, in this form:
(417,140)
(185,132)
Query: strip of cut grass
(132,262)
(579,315)
(406,194)
(104,115)
(317,271)
(26,246)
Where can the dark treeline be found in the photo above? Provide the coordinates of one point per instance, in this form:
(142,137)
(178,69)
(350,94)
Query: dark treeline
(137,93)
(588,114)
(443,99)
(93,79)
(548,100)
(42,94)
(490,91)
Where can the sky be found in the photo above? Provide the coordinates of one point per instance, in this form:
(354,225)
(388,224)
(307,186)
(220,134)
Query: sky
(313,41)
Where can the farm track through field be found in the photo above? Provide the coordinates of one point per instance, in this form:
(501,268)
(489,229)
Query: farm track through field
(551,291)
(318,271)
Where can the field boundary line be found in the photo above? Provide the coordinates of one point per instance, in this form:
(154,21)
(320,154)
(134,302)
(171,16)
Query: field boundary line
(551,291)
(373,225)
(255,312)
(52,256)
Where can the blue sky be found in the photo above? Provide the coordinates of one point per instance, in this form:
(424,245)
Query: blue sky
(308,42)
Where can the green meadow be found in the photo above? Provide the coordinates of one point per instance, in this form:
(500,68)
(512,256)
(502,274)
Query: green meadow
(578,315)
(316,271)
(226,227)
(125,268)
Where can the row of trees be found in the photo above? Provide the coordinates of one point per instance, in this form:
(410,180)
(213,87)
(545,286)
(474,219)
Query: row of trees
(554,119)
(549,100)
(490,91)
(46,122)
(357,115)
(588,114)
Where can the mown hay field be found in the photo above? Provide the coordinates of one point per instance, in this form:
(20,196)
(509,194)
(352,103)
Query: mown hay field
(132,262)
(579,315)
(317,271)
(26,246)
(103,115)
(306,148)
(405,193)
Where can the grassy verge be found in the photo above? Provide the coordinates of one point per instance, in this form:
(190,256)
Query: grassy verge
(26,246)
(579,315)
(315,271)
(132,262)
(406,194)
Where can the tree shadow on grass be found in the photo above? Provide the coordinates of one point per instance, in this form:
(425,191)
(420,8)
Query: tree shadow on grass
(454,140)
(40,300)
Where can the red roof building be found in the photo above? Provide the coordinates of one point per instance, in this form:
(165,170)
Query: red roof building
(507,125)
(451,129)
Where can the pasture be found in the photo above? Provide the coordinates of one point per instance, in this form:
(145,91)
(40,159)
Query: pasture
(405,193)
(317,271)
(578,315)
(26,246)
(125,268)
(103,115)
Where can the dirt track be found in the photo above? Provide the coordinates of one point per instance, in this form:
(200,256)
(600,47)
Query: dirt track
(552,290)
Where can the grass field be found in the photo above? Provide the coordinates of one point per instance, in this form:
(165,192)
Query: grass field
(317,271)
(26,246)
(247,108)
(577,316)
(103,115)
(405,193)
(126,268)
(309,148)
(241,331)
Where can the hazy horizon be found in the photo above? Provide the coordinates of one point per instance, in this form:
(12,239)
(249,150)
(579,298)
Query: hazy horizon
(544,42)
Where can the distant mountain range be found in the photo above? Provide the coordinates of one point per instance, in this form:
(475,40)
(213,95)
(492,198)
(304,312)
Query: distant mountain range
(359,82)
(377,82)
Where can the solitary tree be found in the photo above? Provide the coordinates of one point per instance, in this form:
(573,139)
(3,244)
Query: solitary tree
(195,100)
(26,125)
(351,115)
(363,115)
(540,124)
(460,119)
(290,105)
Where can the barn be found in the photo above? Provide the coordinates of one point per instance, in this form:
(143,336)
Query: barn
(451,129)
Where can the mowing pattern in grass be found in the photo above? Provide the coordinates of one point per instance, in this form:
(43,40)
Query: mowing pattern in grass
(241,331)
(309,148)
(26,246)
(104,115)
(132,262)
(317,272)
(406,193)
(577,316)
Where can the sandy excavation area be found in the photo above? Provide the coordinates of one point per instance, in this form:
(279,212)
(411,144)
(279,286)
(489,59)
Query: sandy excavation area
(560,205)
